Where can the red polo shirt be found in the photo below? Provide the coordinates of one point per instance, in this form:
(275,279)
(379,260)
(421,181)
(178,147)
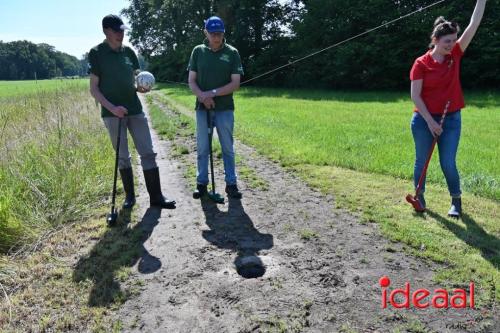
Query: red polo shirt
(441,81)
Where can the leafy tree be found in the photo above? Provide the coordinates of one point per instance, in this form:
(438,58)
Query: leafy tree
(166,31)
(23,60)
(272,33)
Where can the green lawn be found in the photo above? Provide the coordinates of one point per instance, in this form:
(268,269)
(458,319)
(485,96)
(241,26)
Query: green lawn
(20,88)
(358,147)
(368,132)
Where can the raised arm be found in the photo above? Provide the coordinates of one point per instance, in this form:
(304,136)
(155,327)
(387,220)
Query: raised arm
(471,29)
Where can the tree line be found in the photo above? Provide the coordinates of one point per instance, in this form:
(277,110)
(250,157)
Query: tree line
(24,60)
(271,33)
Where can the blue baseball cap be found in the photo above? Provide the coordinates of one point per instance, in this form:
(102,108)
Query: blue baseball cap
(214,24)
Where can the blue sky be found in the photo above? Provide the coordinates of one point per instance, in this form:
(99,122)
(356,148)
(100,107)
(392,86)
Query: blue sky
(72,26)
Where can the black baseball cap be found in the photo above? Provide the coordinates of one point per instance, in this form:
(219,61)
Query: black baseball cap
(114,22)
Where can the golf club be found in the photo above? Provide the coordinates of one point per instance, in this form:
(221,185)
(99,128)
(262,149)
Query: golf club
(214,196)
(414,200)
(113,215)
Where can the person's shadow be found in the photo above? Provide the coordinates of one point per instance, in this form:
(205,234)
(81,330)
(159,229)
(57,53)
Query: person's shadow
(120,247)
(235,231)
(474,235)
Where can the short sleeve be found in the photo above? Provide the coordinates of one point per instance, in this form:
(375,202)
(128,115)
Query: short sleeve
(135,60)
(237,67)
(94,63)
(417,71)
(193,60)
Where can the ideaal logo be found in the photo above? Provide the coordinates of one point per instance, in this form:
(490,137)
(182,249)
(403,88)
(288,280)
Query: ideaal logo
(440,299)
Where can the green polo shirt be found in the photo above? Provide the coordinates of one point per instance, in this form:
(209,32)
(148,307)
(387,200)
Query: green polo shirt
(214,70)
(115,70)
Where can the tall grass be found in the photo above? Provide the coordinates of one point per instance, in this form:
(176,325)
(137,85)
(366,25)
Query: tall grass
(55,159)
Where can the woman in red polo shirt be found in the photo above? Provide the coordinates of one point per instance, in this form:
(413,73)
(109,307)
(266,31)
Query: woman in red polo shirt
(435,80)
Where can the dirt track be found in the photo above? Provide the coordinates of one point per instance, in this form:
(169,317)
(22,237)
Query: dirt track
(322,266)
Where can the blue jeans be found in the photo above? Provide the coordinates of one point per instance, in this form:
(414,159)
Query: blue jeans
(447,145)
(224,122)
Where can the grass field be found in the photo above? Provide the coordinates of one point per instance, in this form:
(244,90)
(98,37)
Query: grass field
(55,160)
(54,157)
(358,147)
(20,88)
(362,131)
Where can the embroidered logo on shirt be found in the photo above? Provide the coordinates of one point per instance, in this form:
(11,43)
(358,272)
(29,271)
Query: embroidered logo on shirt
(128,61)
(224,57)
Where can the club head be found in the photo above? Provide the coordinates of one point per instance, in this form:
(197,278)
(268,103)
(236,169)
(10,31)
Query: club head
(417,205)
(112,218)
(216,197)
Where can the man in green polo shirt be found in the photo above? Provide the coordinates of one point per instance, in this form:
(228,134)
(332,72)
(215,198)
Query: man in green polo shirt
(214,73)
(112,83)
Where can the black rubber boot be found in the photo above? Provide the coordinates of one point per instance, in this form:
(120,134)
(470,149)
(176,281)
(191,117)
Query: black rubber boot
(233,192)
(201,190)
(456,208)
(156,198)
(128,186)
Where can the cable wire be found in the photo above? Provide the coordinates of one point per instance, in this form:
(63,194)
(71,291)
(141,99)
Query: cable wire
(340,43)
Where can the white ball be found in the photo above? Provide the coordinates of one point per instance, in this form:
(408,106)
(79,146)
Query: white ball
(145,80)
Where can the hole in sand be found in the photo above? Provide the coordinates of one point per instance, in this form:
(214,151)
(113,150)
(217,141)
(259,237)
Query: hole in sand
(250,267)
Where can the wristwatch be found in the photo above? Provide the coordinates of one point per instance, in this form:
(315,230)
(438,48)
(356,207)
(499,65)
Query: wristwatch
(214,91)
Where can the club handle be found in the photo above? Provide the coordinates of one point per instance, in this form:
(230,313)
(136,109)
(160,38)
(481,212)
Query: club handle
(118,139)
(210,137)
(429,156)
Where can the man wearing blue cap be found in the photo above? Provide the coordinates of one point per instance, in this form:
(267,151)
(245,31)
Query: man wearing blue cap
(214,74)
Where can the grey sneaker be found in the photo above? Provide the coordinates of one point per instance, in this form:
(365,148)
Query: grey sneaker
(456,208)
